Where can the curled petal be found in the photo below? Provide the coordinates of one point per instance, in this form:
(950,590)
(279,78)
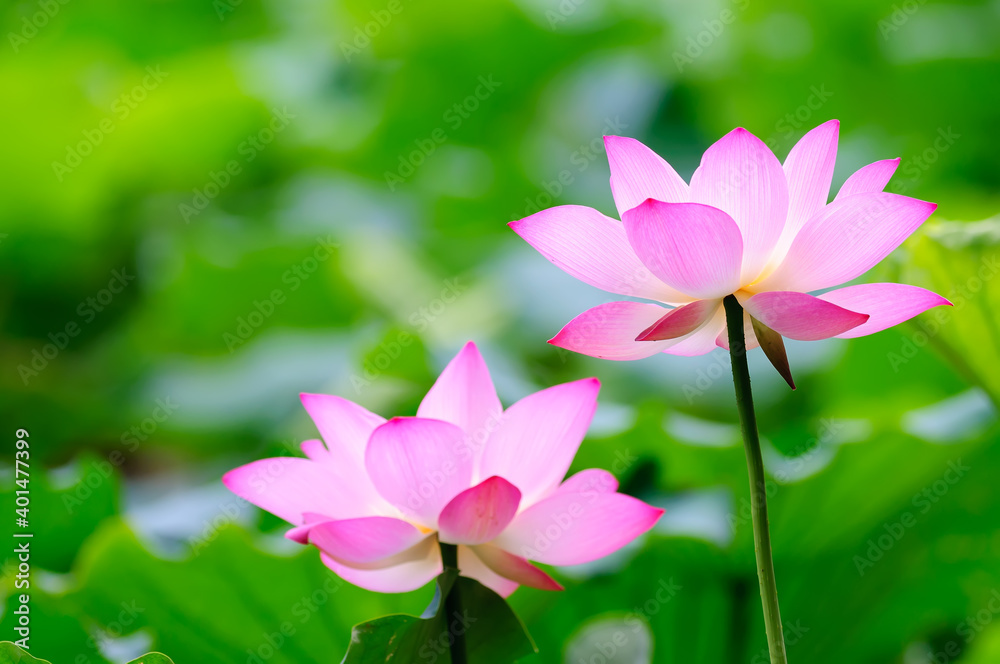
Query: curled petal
(479,514)
(681,321)
(694,248)
(593,248)
(300,534)
(368,543)
(702,340)
(638,173)
(515,568)
(801,316)
(401,578)
(471,566)
(608,331)
(886,304)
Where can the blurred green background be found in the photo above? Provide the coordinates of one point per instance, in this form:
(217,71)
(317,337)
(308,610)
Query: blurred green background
(209,207)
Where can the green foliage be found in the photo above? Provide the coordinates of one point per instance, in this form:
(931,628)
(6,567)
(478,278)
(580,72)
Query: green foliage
(493,634)
(11,654)
(66,509)
(867,439)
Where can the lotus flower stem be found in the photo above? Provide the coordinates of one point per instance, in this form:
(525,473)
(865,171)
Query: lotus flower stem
(758,486)
(453,608)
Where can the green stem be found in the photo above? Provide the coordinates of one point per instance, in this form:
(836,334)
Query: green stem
(758,486)
(453,607)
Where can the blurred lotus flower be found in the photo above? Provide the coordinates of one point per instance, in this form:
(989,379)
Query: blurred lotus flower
(746,225)
(376,497)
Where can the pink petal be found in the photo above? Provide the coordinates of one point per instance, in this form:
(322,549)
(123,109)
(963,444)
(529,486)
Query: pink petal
(479,514)
(681,321)
(887,304)
(344,425)
(593,248)
(515,568)
(419,465)
(638,173)
(289,486)
(368,543)
(538,437)
(869,179)
(608,331)
(846,239)
(702,340)
(741,176)
(800,316)
(749,336)
(471,566)
(694,248)
(464,395)
(575,528)
(315,450)
(400,578)
(300,534)
(592,479)
(809,172)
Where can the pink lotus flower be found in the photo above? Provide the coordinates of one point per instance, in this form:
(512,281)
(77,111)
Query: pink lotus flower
(379,495)
(746,225)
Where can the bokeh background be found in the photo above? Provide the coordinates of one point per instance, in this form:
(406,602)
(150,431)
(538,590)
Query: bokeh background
(207,207)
